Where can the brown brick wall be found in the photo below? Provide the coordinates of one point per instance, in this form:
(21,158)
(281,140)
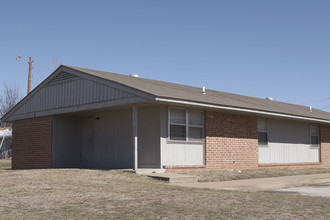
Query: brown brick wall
(325,145)
(231,141)
(32,143)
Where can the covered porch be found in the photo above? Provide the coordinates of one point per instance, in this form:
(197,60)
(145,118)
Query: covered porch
(115,138)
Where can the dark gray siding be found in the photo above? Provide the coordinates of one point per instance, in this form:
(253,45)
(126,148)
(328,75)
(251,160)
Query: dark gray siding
(66,149)
(69,93)
(72,93)
(107,141)
(149,137)
(101,140)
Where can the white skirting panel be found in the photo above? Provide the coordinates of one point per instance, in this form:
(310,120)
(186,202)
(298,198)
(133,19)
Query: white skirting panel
(288,153)
(174,154)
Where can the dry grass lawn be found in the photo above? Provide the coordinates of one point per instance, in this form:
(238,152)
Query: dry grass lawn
(97,194)
(225,175)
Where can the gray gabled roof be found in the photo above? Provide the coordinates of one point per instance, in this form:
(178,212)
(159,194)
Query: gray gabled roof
(144,90)
(172,91)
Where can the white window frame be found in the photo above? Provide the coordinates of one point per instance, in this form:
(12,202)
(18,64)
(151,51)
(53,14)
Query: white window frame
(187,126)
(318,136)
(263,131)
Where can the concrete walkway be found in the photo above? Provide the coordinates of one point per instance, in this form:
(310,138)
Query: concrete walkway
(322,189)
(262,184)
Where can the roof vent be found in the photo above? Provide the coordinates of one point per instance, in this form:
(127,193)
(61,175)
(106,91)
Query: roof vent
(134,75)
(203,90)
(270,98)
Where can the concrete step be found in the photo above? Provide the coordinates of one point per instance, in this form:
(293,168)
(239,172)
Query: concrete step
(174,178)
(149,171)
(144,171)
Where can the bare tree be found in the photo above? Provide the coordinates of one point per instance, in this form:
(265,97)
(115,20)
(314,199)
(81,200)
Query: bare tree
(56,62)
(40,72)
(8,99)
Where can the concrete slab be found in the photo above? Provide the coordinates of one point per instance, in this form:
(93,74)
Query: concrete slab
(175,178)
(319,190)
(262,184)
(149,171)
(144,171)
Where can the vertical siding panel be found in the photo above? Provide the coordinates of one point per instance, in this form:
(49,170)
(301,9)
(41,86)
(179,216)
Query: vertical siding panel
(98,92)
(51,104)
(59,92)
(101,91)
(90,93)
(63,94)
(93,94)
(66,95)
(149,137)
(77,98)
(73,93)
(45,101)
(85,89)
(82,91)
(116,94)
(112,97)
(69,96)
(69,92)
(55,89)
(289,142)
(38,102)
(52,101)
(46,94)
(106,93)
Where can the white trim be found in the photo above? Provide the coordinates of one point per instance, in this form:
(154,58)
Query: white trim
(135,136)
(241,110)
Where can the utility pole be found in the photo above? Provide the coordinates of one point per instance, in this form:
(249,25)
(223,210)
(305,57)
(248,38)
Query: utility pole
(30,74)
(30,61)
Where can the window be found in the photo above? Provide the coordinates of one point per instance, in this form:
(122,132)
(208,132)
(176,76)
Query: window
(262,132)
(315,137)
(186,125)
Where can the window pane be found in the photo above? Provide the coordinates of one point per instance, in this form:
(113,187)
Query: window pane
(262,138)
(196,118)
(262,124)
(195,134)
(315,130)
(178,132)
(315,140)
(177,116)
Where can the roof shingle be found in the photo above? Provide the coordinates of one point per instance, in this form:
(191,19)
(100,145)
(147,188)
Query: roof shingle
(162,89)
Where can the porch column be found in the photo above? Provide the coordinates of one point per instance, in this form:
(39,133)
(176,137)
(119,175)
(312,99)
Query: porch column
(135,136)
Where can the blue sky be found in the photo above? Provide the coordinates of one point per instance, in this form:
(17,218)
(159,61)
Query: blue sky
(273,48)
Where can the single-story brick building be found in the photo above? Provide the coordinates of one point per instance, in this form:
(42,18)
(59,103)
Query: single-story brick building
(83,118)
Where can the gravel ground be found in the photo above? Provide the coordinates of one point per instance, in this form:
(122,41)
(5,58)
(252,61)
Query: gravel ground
(313,190)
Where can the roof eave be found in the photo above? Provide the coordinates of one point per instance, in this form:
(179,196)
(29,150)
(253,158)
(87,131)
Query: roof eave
(238,109)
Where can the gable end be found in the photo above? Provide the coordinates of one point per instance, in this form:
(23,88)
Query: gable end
(65,92)
(63,77)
